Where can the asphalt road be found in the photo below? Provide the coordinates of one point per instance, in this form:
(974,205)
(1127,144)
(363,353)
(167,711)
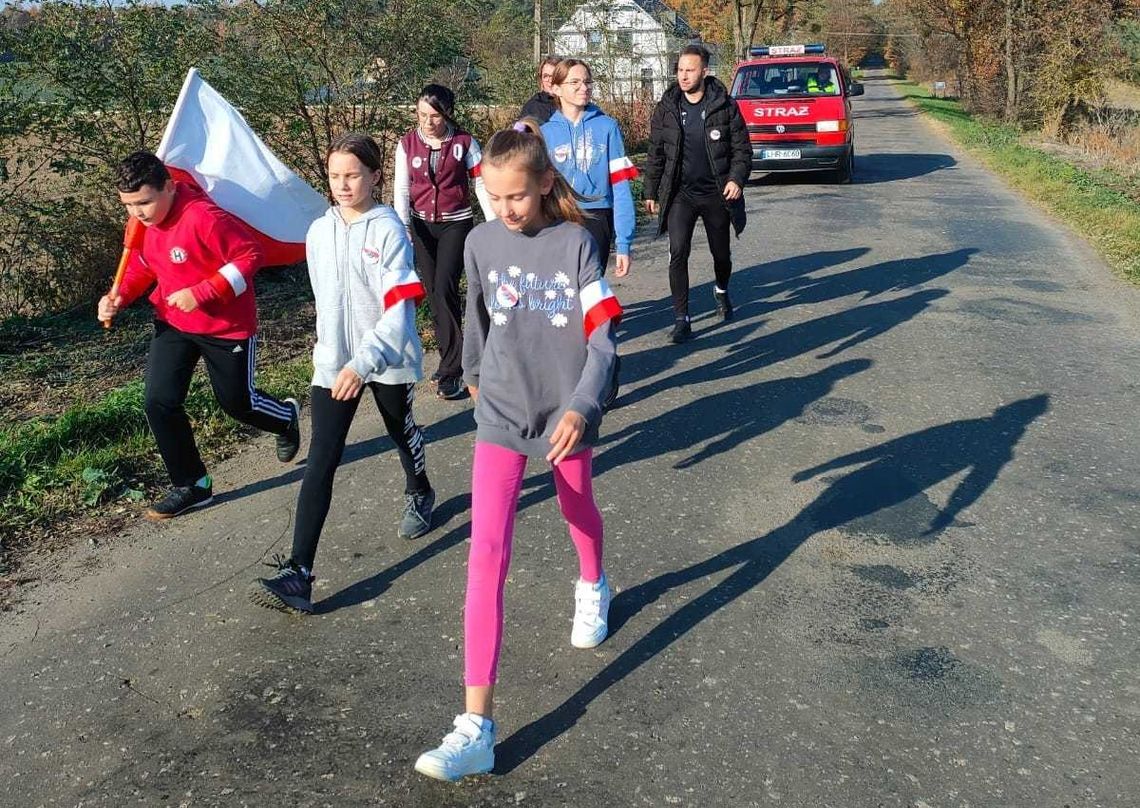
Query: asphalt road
(876,542)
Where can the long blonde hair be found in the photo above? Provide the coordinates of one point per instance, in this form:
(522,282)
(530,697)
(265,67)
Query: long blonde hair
(523,146)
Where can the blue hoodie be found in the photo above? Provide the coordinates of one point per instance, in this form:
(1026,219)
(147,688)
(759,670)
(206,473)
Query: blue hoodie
(591,156)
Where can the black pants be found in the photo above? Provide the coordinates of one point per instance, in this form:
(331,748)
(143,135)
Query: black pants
(230,364)
(600,223)
(439,262)
(683,214)
(330,422)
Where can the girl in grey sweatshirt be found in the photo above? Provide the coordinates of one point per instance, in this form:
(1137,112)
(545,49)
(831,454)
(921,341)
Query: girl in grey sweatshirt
(538,355)
(366,291)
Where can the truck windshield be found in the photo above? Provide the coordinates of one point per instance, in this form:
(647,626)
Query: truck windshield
(785,80)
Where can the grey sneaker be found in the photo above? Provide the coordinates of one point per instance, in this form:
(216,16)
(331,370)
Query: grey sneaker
(418,510)
(289,590)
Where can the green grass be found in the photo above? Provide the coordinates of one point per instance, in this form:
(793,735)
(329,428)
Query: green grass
(102,451)
(1096,204)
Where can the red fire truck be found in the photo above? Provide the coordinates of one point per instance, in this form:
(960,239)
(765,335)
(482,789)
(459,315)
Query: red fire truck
(796,101)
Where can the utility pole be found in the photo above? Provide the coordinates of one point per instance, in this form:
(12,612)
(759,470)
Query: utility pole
(537,31)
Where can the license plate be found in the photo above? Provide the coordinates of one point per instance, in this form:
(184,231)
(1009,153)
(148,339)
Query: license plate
(780,154)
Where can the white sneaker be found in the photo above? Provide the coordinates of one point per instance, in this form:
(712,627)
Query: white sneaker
(591,613)
(468,749)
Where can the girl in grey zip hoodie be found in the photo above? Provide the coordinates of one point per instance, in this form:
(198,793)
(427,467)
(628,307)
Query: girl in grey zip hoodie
(366,291)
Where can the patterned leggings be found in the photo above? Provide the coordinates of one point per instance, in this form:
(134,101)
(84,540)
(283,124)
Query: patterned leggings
(331,420)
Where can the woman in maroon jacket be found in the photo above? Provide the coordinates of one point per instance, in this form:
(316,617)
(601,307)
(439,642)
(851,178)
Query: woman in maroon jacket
(436,163)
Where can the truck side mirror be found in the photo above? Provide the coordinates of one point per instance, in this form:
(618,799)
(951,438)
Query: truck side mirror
(854,88)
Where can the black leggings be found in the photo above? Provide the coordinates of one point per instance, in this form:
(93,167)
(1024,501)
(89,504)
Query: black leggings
(683,214)
(230,364)
(439,262)
(600,223)
(331,420)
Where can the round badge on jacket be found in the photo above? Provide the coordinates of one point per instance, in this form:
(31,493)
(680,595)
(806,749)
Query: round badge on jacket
(178,255)
(417,162)
(714,134)
(507,296)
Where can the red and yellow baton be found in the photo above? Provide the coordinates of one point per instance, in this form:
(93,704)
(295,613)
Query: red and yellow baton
(132,240)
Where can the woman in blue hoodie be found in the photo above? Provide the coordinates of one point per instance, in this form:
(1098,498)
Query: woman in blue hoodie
(585,146)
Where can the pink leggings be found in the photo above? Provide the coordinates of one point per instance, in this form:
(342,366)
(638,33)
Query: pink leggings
(496,479)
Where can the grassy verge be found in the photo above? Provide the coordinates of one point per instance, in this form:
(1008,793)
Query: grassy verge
(75,449)
(1101,205)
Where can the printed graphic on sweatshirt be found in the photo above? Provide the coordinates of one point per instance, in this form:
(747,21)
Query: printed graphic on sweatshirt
(514,291)
(584,151)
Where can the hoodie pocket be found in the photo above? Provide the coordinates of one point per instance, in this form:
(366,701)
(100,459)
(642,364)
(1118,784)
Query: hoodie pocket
(325,357)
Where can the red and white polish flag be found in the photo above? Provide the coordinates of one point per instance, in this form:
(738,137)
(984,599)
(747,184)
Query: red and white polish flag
(207,143)
(598,305)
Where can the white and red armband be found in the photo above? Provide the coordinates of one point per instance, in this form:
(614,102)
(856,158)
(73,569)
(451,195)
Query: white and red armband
(474,159)
(598,305)
(402,284)
(622,169)
(228,282)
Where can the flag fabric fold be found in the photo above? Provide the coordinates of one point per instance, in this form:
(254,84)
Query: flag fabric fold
(207,143)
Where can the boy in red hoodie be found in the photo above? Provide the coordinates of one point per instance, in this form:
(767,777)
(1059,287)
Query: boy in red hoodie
(201,262)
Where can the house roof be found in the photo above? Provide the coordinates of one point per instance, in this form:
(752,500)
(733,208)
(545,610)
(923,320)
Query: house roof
(671,19)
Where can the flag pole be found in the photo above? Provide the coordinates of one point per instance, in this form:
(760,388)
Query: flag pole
(132,239)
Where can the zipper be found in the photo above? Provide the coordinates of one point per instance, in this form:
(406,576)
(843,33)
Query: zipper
(347,280)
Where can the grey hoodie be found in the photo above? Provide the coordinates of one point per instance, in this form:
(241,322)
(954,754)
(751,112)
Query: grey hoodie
(530,301)
(366,289)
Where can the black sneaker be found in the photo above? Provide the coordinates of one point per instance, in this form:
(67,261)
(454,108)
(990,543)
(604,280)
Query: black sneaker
(289,441)
(681,331)
(289,590)
(723,305)
(450,388)
(435,377)
(180,499)
(418,509)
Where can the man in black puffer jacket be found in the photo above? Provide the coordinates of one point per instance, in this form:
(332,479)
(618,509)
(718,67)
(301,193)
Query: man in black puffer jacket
(699,160)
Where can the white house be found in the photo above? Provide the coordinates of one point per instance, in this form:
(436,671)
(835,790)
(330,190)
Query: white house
(631,45)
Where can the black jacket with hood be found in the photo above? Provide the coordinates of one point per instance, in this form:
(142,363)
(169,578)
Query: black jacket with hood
(539,106)
(726,139)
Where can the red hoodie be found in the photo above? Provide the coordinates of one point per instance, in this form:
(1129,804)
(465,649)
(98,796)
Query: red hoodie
(198,246)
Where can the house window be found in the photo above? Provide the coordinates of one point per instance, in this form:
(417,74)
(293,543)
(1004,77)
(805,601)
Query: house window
(623,41)
(647,82)
(594,41)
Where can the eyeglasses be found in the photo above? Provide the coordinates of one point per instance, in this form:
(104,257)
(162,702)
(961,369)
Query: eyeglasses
(574,84)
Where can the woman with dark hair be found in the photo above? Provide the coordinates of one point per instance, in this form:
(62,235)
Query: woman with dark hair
(436,163)
(543,103)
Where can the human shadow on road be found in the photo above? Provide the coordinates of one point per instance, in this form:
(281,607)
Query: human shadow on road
(893,472)
(841,331)
(871,169)
(709,426)
(798,286)
(379,583)
(870,281)
(459,423)
(647,316)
